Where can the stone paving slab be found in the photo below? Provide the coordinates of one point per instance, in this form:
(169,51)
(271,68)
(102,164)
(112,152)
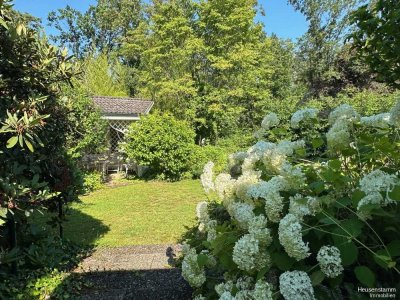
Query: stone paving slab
(130,258)
(134,272)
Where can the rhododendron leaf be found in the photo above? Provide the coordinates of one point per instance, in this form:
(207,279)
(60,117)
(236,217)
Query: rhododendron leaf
(365,276)
(317,277)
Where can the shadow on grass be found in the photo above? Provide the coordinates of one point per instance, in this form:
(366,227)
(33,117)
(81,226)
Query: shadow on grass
(78,227)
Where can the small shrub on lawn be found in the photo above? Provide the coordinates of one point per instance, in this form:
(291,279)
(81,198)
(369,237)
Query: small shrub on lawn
(163,143)
(92,181)
(310,211)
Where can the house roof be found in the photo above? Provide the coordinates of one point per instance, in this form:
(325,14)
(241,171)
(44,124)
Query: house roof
(122,105)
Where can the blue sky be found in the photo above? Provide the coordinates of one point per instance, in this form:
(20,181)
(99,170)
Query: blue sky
(280,17)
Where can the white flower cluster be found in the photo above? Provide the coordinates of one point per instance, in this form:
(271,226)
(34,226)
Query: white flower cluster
(373,184)
(202,212)
(258,228)
(270,120)
(206,223)
(248,255)
(296,285)
(269,191)
(246,290)
(199,297)
(290,237)
(191,271)
(379,120)
(395,115)
(207,177)
(225,186)
(242,213)
(303,206)
(329,260)
(302,115)
(244,182)
(344,113)
(341,119)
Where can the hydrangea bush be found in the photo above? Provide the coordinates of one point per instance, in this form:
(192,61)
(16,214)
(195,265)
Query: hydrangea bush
(308,212)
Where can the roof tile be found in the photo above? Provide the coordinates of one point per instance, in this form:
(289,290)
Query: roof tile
(122,105)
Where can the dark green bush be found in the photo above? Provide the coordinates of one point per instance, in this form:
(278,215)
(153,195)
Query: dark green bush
(162,143)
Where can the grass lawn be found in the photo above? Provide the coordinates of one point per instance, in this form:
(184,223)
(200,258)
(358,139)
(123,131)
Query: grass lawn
(139,213)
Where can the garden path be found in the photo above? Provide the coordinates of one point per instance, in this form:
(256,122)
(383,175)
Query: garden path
(133,272)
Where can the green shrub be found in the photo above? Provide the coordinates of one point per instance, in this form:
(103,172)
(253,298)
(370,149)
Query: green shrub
(163,143)
(92,181)
(364,102)
(219,153)
(314,214)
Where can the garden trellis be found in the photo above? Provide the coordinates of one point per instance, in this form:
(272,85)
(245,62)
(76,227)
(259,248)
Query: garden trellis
(120,112)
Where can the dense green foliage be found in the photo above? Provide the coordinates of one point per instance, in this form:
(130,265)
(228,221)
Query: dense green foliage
(316,197)
(376,38)
(162,143)
(100,29)
(36,173)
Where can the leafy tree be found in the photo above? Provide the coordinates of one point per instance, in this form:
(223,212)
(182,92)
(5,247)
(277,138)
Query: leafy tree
(166,46)
(35,171)
(377,38)
(100,28)
(103,76)
(319,46)
(234,78)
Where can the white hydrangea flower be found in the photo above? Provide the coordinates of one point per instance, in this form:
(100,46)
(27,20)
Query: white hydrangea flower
(296,285)
(202,212)
(270,120)
(244,283)
(290,237)
(329,260)
(207,177)
(343,113)
(379,120)
(244,182)
(247,255)
(294,176)
(224,287)
(370,199)
(269,191)
(395,115)
(373,184)
(191,271)
(262,291)
(227,296)
(338,136)
(242,213)
(378,181)
(303,114)
(225,186)
(301,206)
(287,147)
(211,230)
(258,228)
(236,158)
